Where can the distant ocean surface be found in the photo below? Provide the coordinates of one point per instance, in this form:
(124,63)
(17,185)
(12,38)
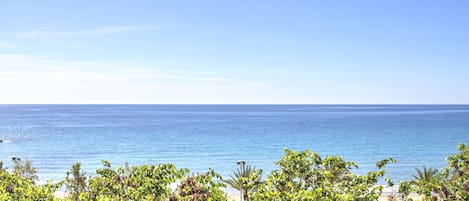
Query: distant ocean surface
(198,137)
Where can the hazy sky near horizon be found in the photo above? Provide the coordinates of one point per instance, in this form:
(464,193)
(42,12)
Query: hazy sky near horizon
(318,52)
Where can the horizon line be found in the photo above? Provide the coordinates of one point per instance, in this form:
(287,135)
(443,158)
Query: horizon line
(234,104)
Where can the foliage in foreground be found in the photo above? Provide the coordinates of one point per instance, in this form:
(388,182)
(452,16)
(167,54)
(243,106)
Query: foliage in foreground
(247,178)
(201,187)
(145,182)
(451,183)
(301,176)
(19,185)
(306,176)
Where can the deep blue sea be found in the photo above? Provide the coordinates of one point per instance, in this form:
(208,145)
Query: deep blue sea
(198,137)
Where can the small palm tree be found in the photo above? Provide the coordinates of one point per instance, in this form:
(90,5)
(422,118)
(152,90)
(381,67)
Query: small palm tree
(427,180)
(426,175)
(247,177)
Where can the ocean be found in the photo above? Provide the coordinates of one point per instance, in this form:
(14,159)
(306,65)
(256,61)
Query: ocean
(199,137)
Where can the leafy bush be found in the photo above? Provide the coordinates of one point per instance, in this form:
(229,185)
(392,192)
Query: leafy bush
(75,182)
(451,183)
(303,176)
(24,169)
(145,182)
(306,176)
(20,187)
(201,187)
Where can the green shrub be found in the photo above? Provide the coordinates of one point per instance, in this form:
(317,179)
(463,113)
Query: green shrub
(201,187)
(306,176)
(18,188)
(75,182)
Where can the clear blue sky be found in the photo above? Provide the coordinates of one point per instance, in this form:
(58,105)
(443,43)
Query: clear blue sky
(234,52)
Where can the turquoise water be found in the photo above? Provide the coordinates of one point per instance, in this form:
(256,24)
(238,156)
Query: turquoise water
(202,136)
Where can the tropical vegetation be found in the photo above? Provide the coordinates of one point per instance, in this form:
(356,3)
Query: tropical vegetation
(306,176)
(450,183)
(301,175)
(245,179)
